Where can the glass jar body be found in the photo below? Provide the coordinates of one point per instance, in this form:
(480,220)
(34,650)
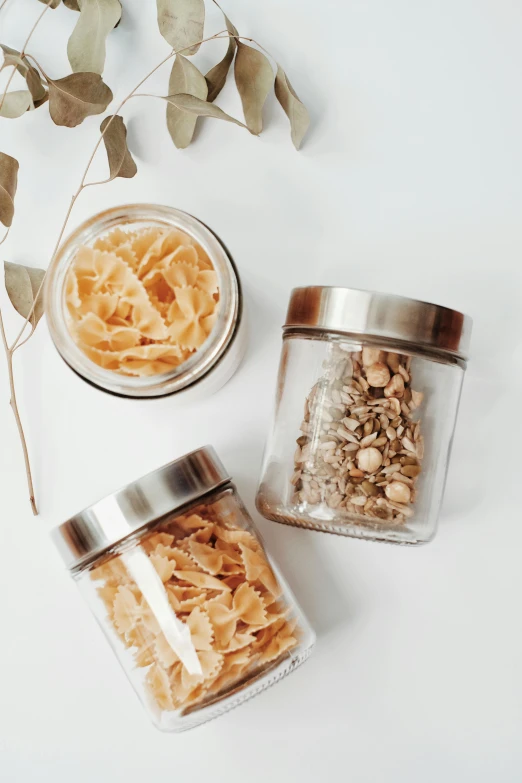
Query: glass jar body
(211,366)
(246,627)
(361,437)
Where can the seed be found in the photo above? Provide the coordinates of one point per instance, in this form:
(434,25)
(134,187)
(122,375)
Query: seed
(368,440)
(411,470)
(330,444)
(384,420)
(355,473)
(347,435)
(408,444)
(395,388)
(398,492)
(394,361)
(369,459)
(408,461)
(336,414)
(351,447)
(351,424)
(369,489)
(416,398)
(378,375)
(359,410)
(394,468)
(391,434)
(368,428)
(380,441)
(371,356)
(404,374)
(404,479)
(335,500)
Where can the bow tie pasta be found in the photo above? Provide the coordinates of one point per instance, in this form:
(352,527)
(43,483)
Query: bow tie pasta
(141,303)
(219,582)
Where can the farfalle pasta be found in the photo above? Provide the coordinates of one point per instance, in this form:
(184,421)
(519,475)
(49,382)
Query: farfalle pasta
(219,583)
(141,303)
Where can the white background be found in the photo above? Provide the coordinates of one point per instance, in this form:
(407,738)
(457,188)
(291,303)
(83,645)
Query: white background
(410,182)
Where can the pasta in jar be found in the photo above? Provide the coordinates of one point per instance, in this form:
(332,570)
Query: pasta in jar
(198,614)
(141,303)
(145,301)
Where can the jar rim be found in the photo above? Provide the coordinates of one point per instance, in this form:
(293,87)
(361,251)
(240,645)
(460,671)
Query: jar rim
(101,526)
(203,360)
(356,312)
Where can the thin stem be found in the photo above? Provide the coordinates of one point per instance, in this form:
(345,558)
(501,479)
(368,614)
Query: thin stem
(16,412)
(1,6)
(33,28)
(83,184)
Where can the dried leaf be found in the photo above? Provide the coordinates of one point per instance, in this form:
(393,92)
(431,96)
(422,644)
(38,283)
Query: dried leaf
(217,76)
(30,74)
(120,160)
(181,23)
(200,108)
(72,5)
(86,47)
(8,182)
(294,109)
(254,80)
(184,78)
(76,97)
(54,4)
(16,103)
(22,284)
(36,87)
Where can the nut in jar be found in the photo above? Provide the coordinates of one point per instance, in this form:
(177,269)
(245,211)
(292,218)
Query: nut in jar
(361,444)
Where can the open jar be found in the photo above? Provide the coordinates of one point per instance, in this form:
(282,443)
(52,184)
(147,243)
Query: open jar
(145,301)
(179,580)
(367,398)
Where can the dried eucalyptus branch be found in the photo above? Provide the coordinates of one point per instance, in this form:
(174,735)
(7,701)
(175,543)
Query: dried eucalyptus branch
(83,93)
(22,53)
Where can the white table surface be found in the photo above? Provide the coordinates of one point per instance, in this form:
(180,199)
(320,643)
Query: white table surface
(410,181)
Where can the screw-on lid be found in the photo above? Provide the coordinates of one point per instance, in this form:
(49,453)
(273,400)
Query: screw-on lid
(353,312)
(98,528)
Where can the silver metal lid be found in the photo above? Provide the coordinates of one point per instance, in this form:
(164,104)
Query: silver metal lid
(98,528)
(395,318)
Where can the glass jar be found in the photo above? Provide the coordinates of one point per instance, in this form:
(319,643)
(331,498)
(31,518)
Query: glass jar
(211,366)
(367,397)
(178,578)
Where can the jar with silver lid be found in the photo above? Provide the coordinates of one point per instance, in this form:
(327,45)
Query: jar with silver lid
(366,404)
(178,578)
(145,301)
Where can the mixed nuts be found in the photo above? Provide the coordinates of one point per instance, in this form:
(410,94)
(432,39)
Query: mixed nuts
(361,449)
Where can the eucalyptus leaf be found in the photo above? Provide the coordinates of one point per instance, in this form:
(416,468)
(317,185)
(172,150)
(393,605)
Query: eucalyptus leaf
(193,105)
(16,103)
(254,80)
(76,97)
(293,107)
(184,78)
(53,4)
(13,57)
(30,74)
(217,76)
(86,47)
(181,23)
(22,284)
(36,88)
(121,163)
(8,182)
